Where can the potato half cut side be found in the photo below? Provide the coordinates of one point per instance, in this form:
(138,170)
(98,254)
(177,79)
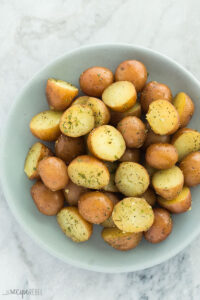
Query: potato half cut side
(190,166)
(77,120)
(45,125)
(89,172)
(106,142)
(168,183)
(163,117)
(36,153)
(185,108)
(116,116)
(120,96)
(133,215)
(121,240)
(131,179)
(179,204)
(73,224)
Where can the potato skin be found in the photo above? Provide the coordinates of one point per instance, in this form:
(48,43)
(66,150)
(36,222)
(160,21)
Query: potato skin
(95,207)
(47,202)
(133,131)
(53,172)
(153,138)
(131,155)
(116,116)
(153,91)
(190,167)
(95,80)
(161,156)
(161,228)
(134,71)
(120,240)
(67,148)
(72,192)
(149,196)
(185,108)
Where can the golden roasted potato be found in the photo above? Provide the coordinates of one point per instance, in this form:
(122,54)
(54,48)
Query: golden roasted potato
(80,100)
(72,192)
(149,196)
(153,91)
(133,131)
(95,80)
(111,186)
(161,227)
(185,108)
(120,96)
(130,155)
(185,141)
(77,120)
(168,183)
(89,172)
(116,116)
(121,240)
(73,224)
(53,172)
(47,202)
(161,156)
(60,94)
(153,138)
(131,179)
(36,153)
(190,167)
(95,207)
(106,142)
(163,117)
(45,125)
(67,148)
(133,215)
(179,204)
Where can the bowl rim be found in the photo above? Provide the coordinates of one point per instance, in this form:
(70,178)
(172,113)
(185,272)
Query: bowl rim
(23,224)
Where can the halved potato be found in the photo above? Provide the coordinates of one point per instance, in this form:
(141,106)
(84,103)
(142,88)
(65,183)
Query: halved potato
(185,108)
(116,116)
(131,179)
(185,141)
(133,215)
(80,100)
(130,155)
(190,167)
(120,96)
(163,117)
(72,192)
(106,142)
(168,183)
(121,240)
(73,224)
(45,125)
(111,186)
(149,196)
(89,172)
(60,94)
(77,120)
(179,204)
(36,153)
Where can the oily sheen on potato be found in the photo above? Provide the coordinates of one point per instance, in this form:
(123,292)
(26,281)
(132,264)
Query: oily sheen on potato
(185,108)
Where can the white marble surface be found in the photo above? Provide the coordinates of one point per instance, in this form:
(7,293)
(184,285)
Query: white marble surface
(32,33)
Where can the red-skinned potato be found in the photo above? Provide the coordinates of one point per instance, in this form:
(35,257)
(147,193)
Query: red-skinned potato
(72,193)
(117,116)
(190,167)
(153,138)
(149,196)
(131,155)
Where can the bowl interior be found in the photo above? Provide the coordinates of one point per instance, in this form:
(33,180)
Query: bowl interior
(94,254)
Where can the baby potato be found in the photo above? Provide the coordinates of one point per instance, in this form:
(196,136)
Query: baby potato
(133,131)
(47,202)
(131,179)
(120,96)
(73,224)
(154,91)
(60,94)
(168,183)
(88,172)
(130,155)
(190,167)
(36,153)
(45,125)
(185,107)
(77,120)
(161,227)
(53,172)
(149,196)
(134,71)
(121,240)
(108,223)
(161,156)
(67,148)
(106,142)
(111,186)
(133,215)
(185,141)
(179,204)
(72,192)
(95,80)
(153,138)
(116,116)
(81,100)
(95,207)
(163,117)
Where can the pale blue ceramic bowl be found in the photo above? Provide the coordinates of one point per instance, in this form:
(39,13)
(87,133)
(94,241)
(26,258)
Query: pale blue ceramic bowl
(95,254)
